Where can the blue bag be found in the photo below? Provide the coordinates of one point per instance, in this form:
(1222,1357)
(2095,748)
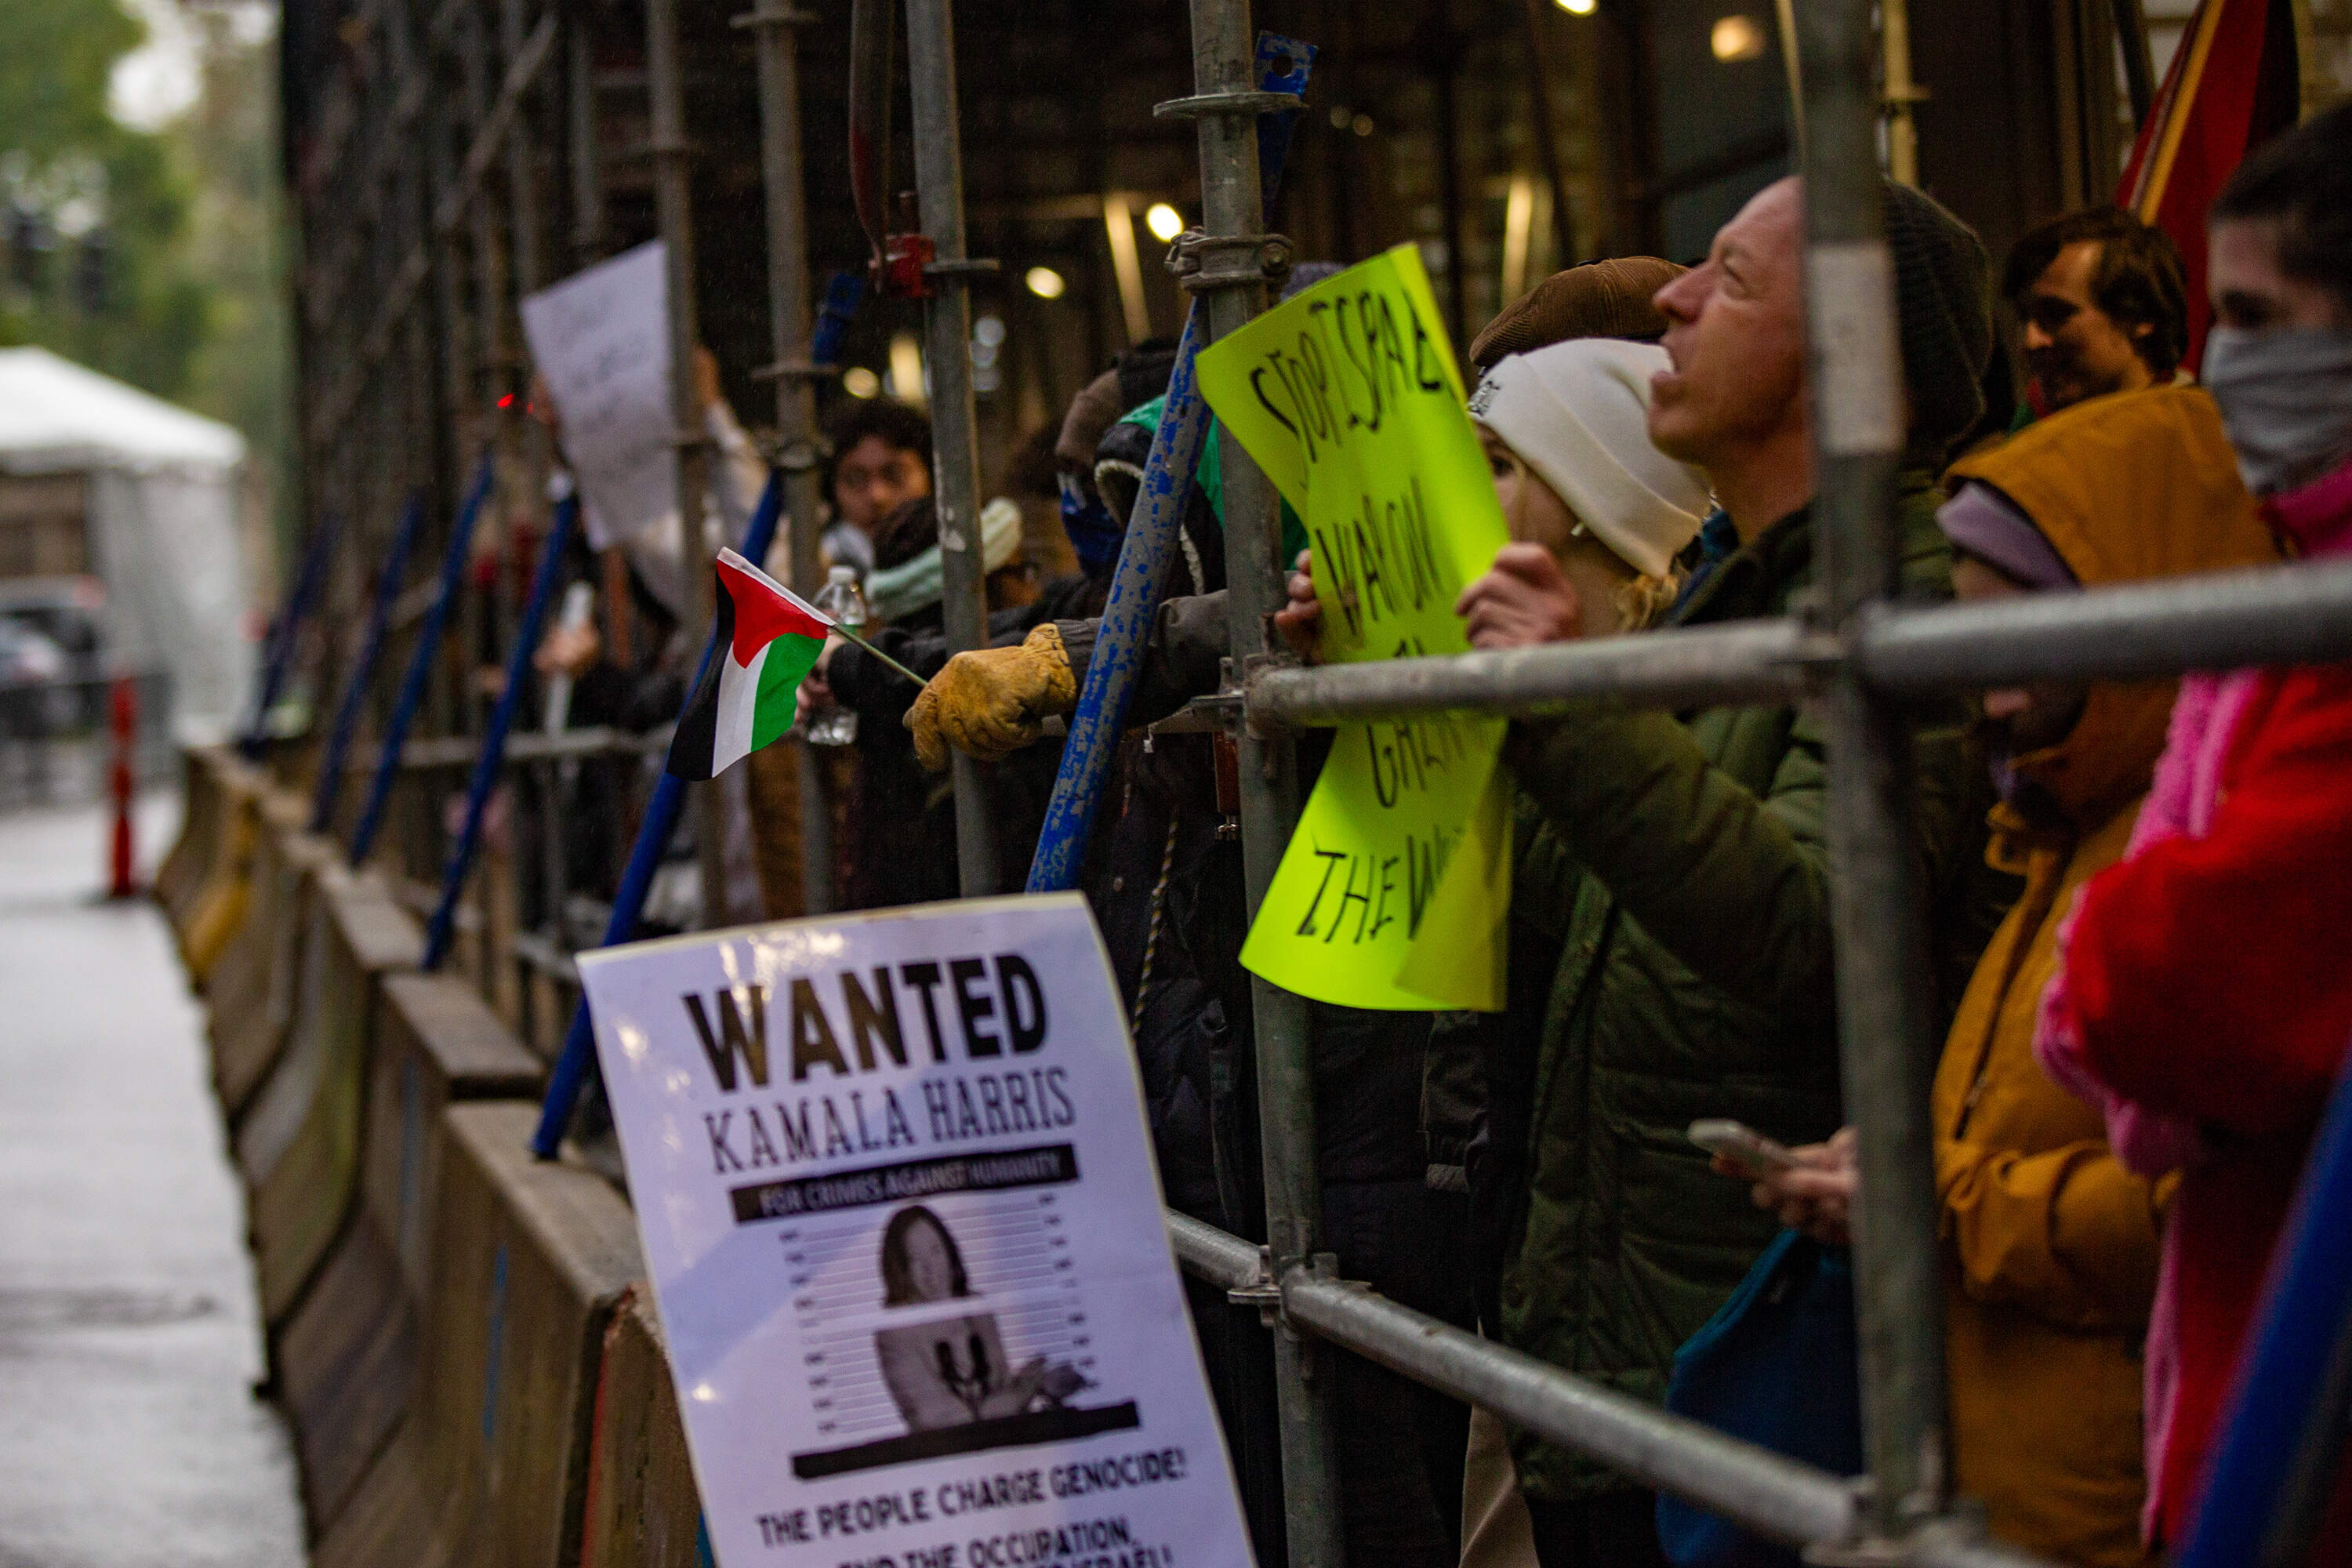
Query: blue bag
(1778,1365)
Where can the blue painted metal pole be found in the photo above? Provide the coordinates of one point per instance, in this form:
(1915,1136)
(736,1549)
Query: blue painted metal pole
(1135,587)
(347,715)
(492,759)
(570,1072)
(277,654)
(1144,552)
(2283,1399)
(420,663)
(843,294)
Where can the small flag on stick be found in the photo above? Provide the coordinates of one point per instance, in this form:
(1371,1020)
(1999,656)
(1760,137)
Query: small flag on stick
(765,643)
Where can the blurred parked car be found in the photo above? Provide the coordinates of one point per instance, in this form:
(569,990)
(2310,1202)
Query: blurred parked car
(36,699)
(65,615)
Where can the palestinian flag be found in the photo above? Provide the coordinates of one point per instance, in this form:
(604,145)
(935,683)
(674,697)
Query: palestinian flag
(766,641)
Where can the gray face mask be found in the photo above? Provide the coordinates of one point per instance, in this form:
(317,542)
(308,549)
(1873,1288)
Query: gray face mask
(2286,399)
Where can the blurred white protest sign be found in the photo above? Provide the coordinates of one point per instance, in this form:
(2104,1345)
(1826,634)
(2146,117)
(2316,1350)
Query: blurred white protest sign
(601,341)
(897,1193)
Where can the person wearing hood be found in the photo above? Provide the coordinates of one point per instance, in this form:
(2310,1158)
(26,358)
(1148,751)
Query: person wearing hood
(2202,1000)
(2049,1242)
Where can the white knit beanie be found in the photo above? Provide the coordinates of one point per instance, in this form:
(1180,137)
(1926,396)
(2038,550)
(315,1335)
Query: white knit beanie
(1577,413)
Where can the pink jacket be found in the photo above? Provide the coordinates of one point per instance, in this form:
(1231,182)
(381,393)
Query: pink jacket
(2182,802)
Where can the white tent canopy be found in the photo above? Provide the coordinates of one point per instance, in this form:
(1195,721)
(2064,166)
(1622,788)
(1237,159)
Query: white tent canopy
(162,516)
(57,418)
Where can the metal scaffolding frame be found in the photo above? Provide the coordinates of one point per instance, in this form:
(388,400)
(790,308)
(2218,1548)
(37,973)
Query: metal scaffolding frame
(432,199)
(1858,657)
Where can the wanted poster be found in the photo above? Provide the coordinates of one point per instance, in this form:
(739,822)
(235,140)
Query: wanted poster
(897,1199)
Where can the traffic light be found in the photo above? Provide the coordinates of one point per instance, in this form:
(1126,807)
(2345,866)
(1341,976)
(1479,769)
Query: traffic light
(28,243)
(90,272)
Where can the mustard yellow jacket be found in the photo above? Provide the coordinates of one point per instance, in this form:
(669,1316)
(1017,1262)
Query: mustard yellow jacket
(2050,1245)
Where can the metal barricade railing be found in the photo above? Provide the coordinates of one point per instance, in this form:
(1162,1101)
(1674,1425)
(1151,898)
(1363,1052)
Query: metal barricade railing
(567,919)
(1859,657)
(1856,656)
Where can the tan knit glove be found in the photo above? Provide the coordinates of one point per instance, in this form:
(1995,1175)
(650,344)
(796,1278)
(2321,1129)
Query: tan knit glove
(990,703)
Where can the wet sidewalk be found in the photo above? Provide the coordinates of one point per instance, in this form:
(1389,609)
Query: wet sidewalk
(127,1341)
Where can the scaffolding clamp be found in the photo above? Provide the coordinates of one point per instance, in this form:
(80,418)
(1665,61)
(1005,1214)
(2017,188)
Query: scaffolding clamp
(1202,262)
(1263,1290)
(797,455)
(1958,1530)
(1202,716)
(969,267)
(796,370)
(900,272)
(1253,667)
(1202,105)
(766,16)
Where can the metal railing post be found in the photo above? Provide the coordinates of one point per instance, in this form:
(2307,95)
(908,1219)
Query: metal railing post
(581,154)
(527,227)
(674,205)
(453,341)
(947,340)
(1884,1001)
(1232,203)
(772,24)
(489,762)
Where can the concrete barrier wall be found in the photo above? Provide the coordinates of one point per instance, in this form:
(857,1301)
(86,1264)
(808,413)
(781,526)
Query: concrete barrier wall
(299,1148)
(242,969)
(347,1368)
(184,865)
(216,905)
(439,1043)
(251,997)
(347,1360)
(459,1334)
(490,1471)
(642,1510)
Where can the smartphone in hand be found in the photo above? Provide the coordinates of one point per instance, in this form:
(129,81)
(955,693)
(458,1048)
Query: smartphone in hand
(1741,1144)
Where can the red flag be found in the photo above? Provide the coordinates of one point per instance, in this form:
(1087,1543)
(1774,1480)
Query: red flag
(2233,86)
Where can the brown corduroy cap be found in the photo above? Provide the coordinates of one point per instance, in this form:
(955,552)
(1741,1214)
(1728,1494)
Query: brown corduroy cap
(1598,299)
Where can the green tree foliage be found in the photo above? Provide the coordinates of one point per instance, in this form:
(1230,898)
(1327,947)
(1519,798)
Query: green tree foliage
(235,240)
(156,256)
(93,213)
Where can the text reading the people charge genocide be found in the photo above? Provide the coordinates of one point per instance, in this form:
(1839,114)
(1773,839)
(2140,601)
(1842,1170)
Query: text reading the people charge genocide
(958,1515)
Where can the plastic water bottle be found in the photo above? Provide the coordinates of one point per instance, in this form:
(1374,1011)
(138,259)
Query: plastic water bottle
(846,601)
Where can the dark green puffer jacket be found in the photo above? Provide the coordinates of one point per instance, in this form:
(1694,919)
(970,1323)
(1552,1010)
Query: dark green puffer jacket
(1680,861)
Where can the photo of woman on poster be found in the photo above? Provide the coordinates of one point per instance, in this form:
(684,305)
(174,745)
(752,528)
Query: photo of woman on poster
(953,1370)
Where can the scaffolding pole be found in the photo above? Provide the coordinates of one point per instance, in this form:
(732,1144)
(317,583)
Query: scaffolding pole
(1877,904)
(586,175)
(1227,106)
(772,23)
(955,450)
(1857,653)
(2222,620)
(674,205)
